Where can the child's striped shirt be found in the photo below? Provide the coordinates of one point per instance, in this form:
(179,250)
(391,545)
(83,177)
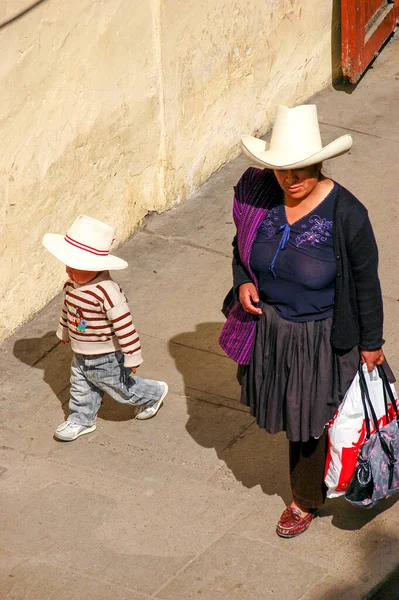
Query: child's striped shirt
(96,319)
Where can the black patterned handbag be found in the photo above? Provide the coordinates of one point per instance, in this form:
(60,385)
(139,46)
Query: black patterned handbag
(376,474)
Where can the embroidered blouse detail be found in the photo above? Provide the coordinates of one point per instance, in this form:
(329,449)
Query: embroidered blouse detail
(319,231)
(270,225)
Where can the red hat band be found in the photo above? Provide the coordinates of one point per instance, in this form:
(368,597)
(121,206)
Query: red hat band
(86,248)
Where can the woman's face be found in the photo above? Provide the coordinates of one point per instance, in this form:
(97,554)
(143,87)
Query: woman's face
(298,183)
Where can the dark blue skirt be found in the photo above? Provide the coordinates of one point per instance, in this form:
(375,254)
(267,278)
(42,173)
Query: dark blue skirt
(295,380)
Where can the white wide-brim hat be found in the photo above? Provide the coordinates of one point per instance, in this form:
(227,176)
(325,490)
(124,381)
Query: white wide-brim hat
(85,246)
(295,142)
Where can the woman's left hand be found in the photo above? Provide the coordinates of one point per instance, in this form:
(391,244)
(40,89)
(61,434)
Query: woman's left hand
(372,358)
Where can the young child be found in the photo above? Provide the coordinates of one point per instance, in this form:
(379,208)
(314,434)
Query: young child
(96,320)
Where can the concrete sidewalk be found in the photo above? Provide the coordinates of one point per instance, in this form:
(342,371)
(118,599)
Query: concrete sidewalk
(184,506)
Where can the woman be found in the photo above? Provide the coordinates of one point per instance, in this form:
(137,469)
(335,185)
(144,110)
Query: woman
(306,300)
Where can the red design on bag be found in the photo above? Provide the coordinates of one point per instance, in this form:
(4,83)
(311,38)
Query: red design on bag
(349,455)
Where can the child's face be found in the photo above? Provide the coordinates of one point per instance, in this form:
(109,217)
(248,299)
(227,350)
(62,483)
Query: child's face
(80,276)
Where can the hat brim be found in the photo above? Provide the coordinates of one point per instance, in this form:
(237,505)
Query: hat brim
(257,151)
(80,259)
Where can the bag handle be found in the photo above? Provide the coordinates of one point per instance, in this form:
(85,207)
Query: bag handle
(366,400)
(388,450)
(385,384)
(391,451)
(388,390)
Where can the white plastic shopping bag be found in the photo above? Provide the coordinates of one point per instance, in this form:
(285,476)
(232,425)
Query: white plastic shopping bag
(347,431)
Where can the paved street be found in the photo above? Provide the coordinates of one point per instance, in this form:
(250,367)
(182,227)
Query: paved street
(184,506)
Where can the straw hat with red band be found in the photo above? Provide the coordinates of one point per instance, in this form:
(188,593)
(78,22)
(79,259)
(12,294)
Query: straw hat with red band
(85,246)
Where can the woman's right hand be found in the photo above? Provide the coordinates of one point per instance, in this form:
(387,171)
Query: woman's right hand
(248,297)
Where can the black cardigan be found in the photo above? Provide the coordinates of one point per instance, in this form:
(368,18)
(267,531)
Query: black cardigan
(358,312)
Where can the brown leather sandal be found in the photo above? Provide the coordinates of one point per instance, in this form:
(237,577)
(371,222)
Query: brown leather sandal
(292,523)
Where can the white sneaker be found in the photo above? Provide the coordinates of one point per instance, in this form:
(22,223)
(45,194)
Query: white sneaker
(150,411)
(68,431)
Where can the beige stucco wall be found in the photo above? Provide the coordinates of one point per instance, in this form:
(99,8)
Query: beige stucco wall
(115,109)
(226,64)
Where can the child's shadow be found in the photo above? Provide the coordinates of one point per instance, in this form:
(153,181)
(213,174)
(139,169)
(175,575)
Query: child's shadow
(54,358)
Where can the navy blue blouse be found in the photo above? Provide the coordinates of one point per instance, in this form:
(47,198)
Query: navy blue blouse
(295,264)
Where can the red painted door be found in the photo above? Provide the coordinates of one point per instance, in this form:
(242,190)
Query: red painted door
(366,25)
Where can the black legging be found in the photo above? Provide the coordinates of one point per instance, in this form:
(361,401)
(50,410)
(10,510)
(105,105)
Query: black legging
(307,463)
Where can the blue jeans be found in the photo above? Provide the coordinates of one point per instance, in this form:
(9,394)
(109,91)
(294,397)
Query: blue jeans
(92,376)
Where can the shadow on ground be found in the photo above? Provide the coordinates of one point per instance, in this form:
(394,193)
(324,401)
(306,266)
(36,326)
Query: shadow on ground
(374,547)
(54,359)
(350,518)
(253,456)
(388,589)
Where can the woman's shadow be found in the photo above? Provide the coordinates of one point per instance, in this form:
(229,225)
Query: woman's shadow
(253,456)
(54,359)
(217,419)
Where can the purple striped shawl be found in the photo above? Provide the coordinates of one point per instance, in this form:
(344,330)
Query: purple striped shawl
(253,193)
